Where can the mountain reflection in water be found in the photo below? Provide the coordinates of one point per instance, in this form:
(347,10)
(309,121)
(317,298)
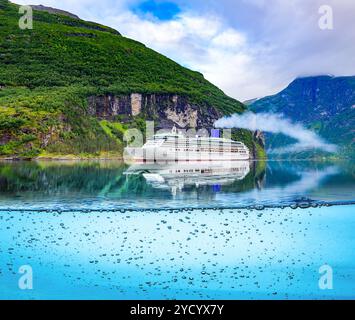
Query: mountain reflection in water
(109,184)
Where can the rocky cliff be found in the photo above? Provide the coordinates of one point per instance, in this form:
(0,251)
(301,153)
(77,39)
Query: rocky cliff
(166,109)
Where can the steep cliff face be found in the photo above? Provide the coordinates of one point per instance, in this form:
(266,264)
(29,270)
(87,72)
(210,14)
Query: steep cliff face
(166,109)
(259,137)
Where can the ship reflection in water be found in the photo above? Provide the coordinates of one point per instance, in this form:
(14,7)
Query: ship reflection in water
(179,176)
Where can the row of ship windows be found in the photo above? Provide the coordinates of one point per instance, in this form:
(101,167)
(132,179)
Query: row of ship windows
(207,170)
(211,150)
(202,144)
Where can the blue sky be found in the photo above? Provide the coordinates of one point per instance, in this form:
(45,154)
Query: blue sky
(248,48)
(162,10)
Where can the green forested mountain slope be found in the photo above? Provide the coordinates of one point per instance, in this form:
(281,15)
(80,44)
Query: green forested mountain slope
(48,76)
(324,104)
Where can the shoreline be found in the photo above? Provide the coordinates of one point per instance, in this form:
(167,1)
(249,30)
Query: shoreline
(120,158)
(61,158)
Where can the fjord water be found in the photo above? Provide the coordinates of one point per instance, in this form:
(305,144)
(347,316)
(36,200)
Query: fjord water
(102,230)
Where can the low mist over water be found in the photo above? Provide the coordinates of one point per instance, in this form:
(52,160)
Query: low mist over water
(277,123)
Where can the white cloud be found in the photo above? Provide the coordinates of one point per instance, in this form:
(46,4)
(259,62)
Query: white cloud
(229,38)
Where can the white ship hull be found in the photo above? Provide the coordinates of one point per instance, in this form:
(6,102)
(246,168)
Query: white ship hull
(151,155)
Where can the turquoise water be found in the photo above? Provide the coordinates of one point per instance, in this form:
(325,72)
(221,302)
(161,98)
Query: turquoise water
(89,231)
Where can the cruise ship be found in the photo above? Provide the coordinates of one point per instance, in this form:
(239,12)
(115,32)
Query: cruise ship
(174,146)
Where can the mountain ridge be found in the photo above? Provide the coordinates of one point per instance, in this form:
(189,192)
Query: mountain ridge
(54,10)
(324,104)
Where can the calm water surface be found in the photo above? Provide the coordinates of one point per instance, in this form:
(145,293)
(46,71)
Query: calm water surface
(103,230)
